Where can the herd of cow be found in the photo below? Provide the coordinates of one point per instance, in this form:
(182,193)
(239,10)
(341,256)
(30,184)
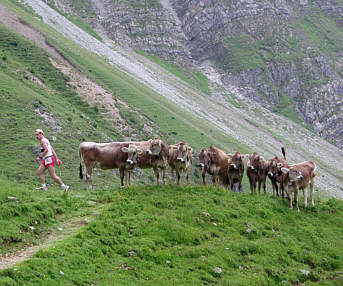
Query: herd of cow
(228,169)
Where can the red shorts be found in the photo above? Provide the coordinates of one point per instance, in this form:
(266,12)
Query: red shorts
(50,161)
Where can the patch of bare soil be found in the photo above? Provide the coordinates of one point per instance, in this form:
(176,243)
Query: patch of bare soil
(90,91)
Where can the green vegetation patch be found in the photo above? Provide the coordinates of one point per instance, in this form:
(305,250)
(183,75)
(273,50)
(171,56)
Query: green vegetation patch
(141,4)
(172,235)
(34,94)
(322,32)
(194,78)
(26,213)
(242,54)
(287,107)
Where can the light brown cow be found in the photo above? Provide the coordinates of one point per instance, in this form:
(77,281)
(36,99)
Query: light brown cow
(180,159)
(106,155)
(236,170)
(257,168)
(154,155)
(218,166)
(204,159)
(299,177)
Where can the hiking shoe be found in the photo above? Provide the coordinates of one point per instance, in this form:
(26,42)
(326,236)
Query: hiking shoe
(65,188)
(42,188)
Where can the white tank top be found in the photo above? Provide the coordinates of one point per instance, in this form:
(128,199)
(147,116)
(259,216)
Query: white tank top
(49,154)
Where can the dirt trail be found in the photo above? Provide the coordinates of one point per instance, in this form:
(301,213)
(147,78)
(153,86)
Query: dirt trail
(60,232)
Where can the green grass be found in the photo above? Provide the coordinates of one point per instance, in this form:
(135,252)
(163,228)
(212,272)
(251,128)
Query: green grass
(194,78)
(286,107)
(242,54)
(322,32)
(31,208)
(178,235)
(20,98)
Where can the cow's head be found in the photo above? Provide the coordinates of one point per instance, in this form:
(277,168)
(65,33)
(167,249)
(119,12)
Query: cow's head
(236,161)
(204,158)
(132,154)
(272,169)
(155,147)
(182,152)
(293,174)
(254,162)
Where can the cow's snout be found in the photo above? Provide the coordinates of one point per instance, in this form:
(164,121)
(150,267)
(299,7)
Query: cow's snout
(130,162)
(233,166)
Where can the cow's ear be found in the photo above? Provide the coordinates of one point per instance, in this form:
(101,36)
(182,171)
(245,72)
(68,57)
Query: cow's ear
(261,158)
(139,151)
(125,149)
(189,149)
(284,170)
(175,147)
(229,154)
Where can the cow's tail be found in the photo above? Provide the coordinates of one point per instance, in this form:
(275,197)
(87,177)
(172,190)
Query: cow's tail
(283,152)
(81,175)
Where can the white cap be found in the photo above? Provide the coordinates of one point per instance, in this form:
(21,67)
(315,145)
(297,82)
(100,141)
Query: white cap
(39,131)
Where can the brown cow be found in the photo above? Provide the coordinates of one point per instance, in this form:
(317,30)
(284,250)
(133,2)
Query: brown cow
(236,170)
(180,159)
(276,176)
(154,155)
(107,155)
(132,155)
(218,165)
(204,159)
(257,172)
(299,176)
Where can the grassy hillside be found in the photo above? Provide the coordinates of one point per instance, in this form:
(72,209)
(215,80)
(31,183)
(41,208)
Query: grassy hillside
(36,94)
(184,236)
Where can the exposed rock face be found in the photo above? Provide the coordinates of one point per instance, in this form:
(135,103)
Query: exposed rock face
(267,49)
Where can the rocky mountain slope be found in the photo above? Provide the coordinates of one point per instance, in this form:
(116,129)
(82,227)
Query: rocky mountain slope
(285,55)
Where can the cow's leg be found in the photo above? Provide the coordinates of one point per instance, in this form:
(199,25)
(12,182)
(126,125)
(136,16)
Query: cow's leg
(259,185)
(273,187)
(203,174)
(251,185)
(296,193)
(178,176)
(289,196)
(187,176)
(122,175)
(305,196)
(157,175)
(89,169)
(264,184)
(312,191)
(163,173)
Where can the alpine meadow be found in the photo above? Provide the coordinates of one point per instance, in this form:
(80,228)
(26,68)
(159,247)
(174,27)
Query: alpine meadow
(233,107)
